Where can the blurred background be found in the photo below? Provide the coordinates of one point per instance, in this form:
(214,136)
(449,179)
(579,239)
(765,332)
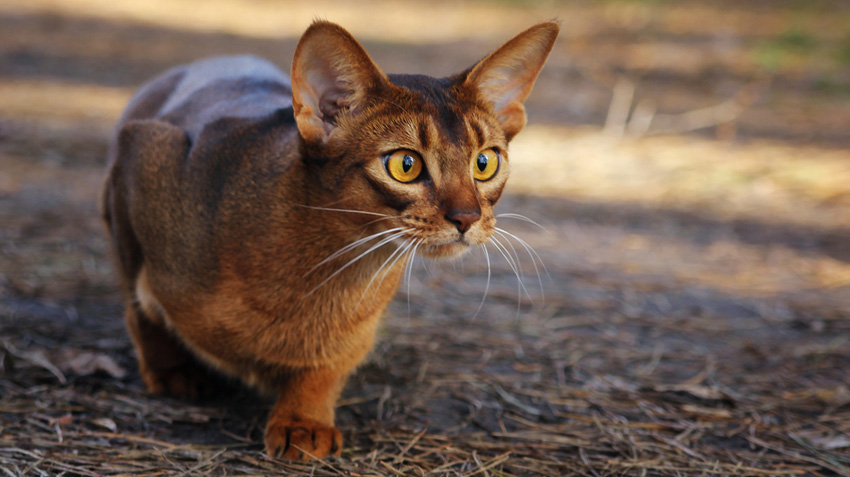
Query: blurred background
(689,160)
(733,110)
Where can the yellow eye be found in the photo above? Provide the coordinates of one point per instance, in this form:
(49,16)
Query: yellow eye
(486,164)
(404,165)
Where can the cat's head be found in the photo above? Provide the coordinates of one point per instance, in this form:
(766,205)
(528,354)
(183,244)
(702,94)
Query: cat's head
(430,153)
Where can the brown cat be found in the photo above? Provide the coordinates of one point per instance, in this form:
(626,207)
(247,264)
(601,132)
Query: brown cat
(261,228)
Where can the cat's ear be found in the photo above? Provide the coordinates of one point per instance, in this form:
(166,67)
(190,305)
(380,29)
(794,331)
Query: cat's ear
(506,76)
(331,73)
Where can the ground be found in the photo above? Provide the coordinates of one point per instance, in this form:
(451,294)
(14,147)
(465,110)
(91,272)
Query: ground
(693,316)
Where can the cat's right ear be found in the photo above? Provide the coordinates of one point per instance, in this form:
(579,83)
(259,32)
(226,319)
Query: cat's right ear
(331,75)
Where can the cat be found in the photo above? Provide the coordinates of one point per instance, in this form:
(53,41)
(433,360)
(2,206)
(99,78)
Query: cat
(260,225)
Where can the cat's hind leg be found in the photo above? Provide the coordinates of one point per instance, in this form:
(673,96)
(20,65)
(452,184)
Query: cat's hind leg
(166,365)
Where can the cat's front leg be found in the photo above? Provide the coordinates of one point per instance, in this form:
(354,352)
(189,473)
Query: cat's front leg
(301,424)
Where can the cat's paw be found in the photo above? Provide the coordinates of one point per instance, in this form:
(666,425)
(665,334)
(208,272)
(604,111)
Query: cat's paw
(187,382)
(302,440)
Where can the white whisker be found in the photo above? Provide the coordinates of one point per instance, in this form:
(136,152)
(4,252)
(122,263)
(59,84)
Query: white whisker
(427,270)
(521,217)
(507,235)
(398,254)
(353,245)
(383,242)
(520,285)
(504,251)
(487,286)
(407,249)
(513,249)
(410,273)
(380,219)
(353,211)
(518,263)
(511,262)
(528,248)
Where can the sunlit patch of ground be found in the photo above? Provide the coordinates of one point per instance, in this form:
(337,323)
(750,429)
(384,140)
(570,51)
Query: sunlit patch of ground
(765,180)
(62,102)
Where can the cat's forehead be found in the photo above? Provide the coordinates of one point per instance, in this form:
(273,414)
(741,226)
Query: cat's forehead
(451,108)
(433,90)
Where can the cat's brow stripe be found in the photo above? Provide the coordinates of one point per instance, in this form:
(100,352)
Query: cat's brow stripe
(424,136)
(479,134)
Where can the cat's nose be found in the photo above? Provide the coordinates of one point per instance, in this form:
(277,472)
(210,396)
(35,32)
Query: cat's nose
(463,219)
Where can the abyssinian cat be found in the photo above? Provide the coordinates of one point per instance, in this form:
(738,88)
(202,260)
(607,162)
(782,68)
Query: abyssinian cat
(261,225)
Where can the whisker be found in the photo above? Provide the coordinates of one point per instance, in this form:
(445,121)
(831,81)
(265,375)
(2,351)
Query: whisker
(397,253)
(507,235)
(528,248)
(518,263)
(383,241)
(395,257)
(380,219)
(487,286)
(353,211)
(520,286)
(521,217)
(427,270)
(513,249)
(353,245)
(410,273)
(504,251)
(410,245)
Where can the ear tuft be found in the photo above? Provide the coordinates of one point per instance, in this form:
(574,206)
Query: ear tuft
(505,77)
(331,75)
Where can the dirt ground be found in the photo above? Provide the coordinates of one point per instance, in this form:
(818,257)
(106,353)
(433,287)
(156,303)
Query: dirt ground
(693,317)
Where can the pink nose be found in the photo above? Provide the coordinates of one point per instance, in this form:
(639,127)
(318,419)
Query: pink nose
(463,219)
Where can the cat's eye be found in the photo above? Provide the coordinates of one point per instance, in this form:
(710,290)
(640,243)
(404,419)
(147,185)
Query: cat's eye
(404,165)
(485,165)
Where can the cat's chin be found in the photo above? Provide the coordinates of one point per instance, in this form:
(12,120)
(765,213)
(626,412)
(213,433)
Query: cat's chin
(449,250)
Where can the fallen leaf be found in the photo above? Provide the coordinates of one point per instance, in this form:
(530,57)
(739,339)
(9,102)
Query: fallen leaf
(64,420)
(696,390)
(610,383)
(85,363)
(37,358)
(706,411)
(107,423)
(831,442)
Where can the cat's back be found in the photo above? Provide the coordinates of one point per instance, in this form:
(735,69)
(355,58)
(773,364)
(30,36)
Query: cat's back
(221,139)
(222,131)
(198,94)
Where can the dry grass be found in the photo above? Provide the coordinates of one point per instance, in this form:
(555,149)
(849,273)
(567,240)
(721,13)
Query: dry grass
(693,317)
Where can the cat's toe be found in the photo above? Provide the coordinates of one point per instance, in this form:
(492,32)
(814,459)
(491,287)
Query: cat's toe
(302,440)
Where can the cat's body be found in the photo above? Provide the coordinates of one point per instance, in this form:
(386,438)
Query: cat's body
(240,209)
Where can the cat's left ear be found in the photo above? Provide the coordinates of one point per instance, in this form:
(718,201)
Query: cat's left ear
(506,76)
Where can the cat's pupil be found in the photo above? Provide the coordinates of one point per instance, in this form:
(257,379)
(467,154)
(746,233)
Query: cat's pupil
(482,162)
(407,163)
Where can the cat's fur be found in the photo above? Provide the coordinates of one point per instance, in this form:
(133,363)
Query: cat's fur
(232,195)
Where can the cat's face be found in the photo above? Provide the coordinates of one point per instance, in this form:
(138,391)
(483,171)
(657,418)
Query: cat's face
(427,156)
(431,156)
